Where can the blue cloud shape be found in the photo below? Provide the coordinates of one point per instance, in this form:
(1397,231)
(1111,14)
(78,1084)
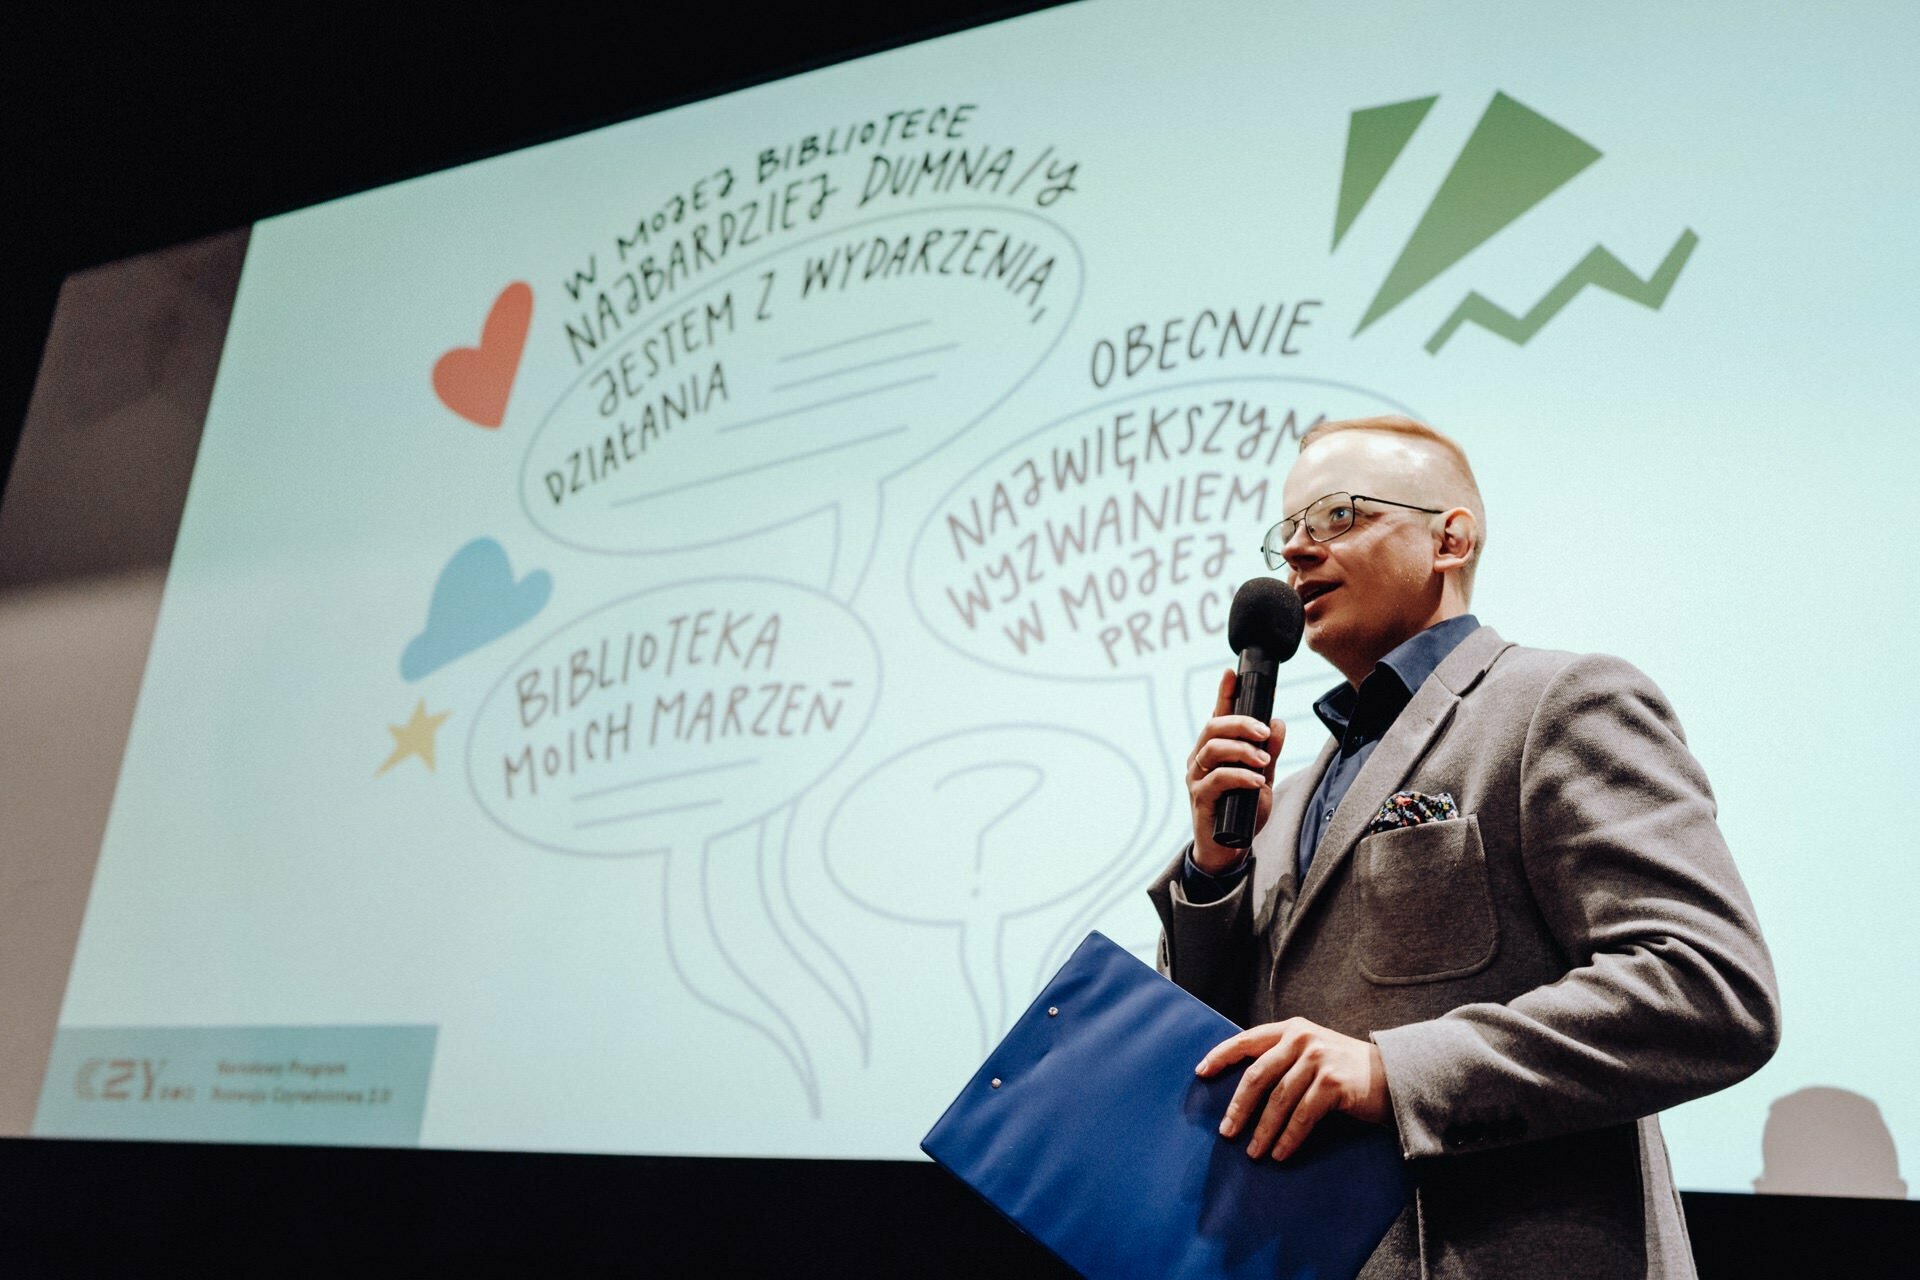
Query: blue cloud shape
(475,601)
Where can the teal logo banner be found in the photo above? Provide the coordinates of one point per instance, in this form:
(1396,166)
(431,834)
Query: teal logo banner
(324,1086)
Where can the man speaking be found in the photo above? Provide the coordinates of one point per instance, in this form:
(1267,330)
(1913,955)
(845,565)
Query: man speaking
(1495,913)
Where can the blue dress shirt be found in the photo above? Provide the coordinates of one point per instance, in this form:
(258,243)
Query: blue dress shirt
(1357,719)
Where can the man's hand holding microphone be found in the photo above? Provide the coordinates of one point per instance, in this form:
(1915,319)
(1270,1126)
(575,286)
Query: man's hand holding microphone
(1300,1070)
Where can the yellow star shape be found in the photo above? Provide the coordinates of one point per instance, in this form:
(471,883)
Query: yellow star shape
(414,738)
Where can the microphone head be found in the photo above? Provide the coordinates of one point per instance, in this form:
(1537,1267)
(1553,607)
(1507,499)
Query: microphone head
(1266,615)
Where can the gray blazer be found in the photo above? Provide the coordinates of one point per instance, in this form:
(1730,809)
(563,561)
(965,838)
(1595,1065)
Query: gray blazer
(1571,955)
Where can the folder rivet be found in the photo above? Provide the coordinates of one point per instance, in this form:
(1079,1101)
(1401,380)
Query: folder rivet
(1052,1012)
(996,1082)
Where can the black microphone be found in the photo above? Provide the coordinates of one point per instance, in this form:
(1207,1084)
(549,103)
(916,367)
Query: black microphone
(1264,628)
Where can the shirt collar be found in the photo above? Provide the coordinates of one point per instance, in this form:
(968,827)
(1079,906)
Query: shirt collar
(1393,681)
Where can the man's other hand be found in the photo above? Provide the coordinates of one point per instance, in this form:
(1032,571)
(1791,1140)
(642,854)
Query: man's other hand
(1301,1071)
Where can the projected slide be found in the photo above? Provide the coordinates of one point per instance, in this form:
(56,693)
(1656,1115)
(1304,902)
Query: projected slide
(675,633)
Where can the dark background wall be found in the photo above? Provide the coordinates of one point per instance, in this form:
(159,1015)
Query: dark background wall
(135,129)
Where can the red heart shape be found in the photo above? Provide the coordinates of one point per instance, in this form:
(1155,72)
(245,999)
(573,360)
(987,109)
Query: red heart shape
(475,382)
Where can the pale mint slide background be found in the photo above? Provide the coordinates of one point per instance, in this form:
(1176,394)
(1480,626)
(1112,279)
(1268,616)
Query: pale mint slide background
(810,954)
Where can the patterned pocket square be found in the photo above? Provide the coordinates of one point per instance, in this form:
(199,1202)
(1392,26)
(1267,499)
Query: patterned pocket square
(1411,808)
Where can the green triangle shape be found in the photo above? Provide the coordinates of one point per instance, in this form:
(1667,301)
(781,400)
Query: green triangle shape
(1375,138)
(1515,159)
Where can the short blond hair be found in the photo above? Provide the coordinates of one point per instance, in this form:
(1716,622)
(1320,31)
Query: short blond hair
(1458,487)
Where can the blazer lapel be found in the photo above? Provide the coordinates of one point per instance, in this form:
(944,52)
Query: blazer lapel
(1420,723)
(1279,841)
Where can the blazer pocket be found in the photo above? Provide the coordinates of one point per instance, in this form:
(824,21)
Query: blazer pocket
(1426,905)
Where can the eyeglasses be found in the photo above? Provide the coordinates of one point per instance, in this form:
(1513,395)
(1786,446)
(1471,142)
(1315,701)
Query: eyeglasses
(1325,519)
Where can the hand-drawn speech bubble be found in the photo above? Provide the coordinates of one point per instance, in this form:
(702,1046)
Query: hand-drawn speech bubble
(797,382)
(1106,545)
(999,828)
(672,715)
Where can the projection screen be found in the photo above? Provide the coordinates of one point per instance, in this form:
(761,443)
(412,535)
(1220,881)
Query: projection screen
(661,641)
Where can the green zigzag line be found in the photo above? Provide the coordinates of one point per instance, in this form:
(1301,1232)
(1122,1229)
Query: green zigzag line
(1599,268)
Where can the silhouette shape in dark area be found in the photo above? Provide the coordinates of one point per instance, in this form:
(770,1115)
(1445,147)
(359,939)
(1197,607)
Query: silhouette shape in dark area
(1822,1141)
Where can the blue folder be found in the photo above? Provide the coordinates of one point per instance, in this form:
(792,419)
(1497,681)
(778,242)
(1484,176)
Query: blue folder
(1088,1129)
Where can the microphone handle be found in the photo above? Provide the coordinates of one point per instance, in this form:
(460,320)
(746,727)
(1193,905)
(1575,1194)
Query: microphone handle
(1234,816)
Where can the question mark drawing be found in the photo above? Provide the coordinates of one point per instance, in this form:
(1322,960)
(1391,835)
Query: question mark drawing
(1004,837)
(980,956)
